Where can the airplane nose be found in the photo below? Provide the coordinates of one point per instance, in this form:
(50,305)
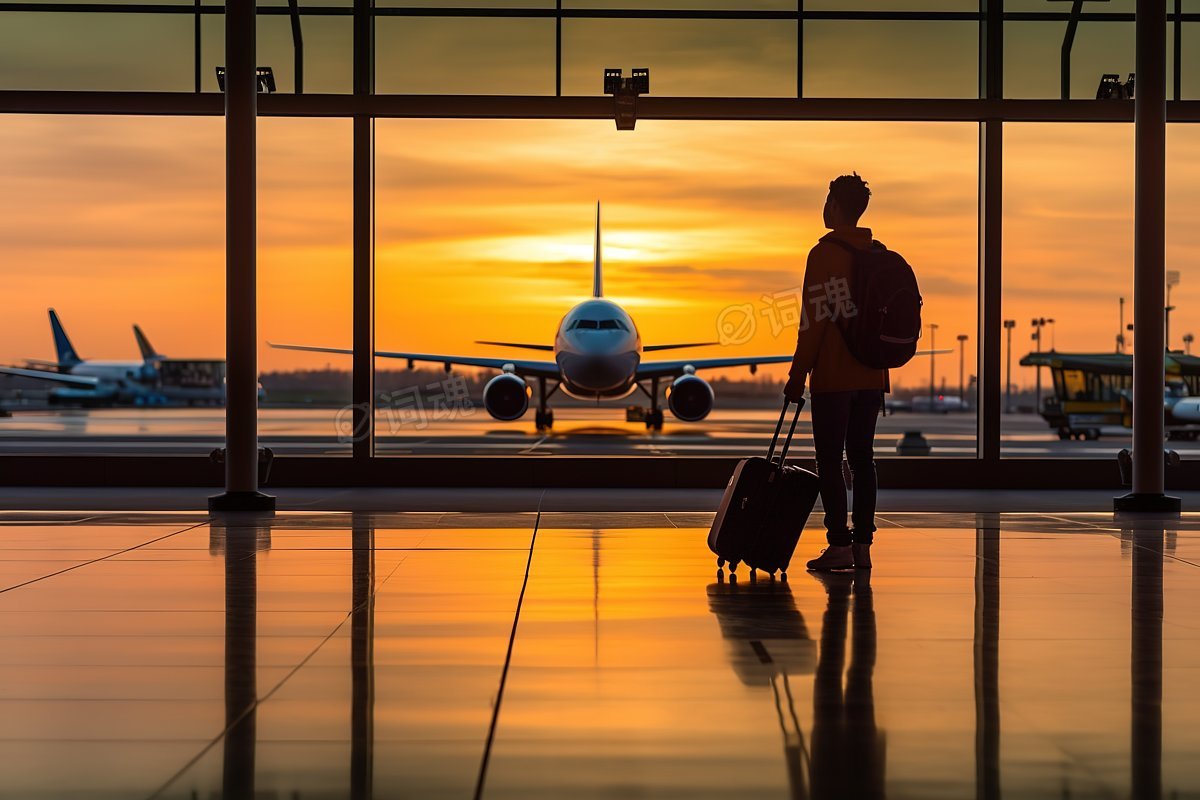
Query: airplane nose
(600,372)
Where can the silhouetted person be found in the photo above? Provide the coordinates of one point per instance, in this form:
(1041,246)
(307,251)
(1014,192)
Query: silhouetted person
(848,756)
(846,395)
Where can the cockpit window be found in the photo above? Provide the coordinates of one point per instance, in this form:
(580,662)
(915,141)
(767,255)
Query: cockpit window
(599,324)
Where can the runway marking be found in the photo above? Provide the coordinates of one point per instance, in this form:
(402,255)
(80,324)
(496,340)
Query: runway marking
(533,446)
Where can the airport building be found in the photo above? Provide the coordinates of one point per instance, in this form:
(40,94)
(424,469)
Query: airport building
(466,315)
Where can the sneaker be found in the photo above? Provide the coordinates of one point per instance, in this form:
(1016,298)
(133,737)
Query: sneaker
(832,558)
(862,556)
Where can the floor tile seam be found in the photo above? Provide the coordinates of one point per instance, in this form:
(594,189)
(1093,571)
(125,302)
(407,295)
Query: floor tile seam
(324,640)
(258,701)
(99,740)
(131,699)
(1175,558)
(512,639)
(1076,522)
(102,558)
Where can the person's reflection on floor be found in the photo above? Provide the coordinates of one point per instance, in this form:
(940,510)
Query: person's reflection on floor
(766,640)
(848,756)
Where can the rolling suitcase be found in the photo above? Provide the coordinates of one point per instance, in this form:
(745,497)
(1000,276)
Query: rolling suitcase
(764,508)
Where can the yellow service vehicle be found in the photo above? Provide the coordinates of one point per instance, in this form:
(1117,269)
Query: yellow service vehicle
(1095,390)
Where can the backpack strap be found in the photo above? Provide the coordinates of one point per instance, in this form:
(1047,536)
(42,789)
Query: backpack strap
(842,243)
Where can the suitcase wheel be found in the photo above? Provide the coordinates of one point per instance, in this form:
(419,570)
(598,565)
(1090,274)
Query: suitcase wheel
(720,562)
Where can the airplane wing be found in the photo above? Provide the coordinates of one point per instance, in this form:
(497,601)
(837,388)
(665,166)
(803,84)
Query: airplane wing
(520,345)
(46,375)
(663,369)
(537,369)
(652,347)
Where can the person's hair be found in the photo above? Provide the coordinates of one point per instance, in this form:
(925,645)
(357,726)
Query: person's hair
(851,194)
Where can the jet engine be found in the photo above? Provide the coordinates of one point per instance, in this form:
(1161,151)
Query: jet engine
(506,397)
(690,398)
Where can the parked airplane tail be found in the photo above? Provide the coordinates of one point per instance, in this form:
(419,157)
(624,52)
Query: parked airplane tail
(67,357)
(148,351)
(597,283)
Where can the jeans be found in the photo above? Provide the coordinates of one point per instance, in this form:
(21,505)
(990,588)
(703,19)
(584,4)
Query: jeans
(845,421)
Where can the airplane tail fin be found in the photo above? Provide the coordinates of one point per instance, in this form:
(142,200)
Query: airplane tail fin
(597,283)
(148,351)
(67,357)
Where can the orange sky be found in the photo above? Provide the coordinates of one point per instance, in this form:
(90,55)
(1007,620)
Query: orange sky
(484,228)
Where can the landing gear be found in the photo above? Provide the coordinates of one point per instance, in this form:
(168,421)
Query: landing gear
(654,417)
(544,418)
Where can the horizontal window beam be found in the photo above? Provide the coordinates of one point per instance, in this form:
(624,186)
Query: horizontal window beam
(592,13)
(547,107)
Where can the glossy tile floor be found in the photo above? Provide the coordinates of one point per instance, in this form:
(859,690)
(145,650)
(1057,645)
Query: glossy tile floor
(569,655)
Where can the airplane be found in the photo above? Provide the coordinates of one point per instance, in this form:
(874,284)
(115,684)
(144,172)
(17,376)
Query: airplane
(597,355)
(155,380)
(941,404)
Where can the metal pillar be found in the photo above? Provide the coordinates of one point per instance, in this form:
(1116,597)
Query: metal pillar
(363,367)
(991,207)
(800,48)
(1068,43)
(241,320)
(1149,280)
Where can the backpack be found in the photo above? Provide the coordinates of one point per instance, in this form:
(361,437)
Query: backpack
(883,328)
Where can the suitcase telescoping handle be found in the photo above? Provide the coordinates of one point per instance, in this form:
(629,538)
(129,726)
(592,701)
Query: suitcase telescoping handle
(779,427)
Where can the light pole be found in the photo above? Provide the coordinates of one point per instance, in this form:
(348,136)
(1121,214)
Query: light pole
(1121,329)
(962,355)
(1009,324)
(1039,323)
(1172,281)
(932,356)
(1187,343)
